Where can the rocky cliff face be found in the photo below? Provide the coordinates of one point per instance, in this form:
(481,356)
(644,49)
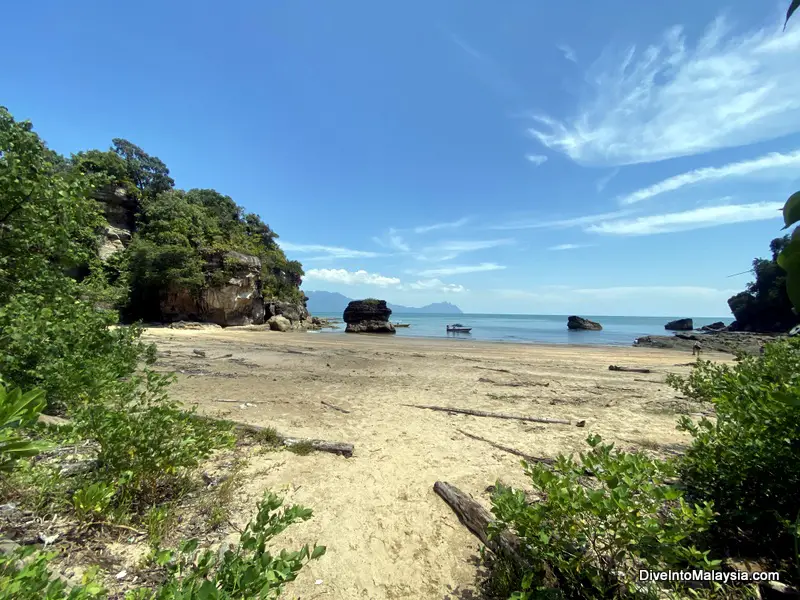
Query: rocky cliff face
(368,316)
(119,209)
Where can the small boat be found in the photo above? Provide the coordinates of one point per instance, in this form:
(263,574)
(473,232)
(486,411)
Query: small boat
(402,324)
(458,328)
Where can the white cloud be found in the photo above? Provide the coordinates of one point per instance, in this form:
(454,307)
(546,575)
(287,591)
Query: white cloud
(328,251)
(568,52)
(345,277)
(437,226)
(438,286)
(672,99)
(560,223)
(710,216)
(536,159)
(393,240)
(785,164)
(459,270)
(566,247)
(603,181)
(450,249)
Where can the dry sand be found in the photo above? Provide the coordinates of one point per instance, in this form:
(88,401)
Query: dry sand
(388,535)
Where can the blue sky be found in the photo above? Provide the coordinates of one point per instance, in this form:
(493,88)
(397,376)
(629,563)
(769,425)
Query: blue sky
(523,157)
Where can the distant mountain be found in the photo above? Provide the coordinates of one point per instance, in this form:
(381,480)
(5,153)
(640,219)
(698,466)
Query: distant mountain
(333,302)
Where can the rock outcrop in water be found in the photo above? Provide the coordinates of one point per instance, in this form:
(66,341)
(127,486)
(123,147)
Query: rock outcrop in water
(579,323)
(680,325)
(368,316)
(717,341)
(718,326)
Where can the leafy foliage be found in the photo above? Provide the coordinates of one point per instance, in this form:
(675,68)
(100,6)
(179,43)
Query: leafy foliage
(247,571)
(24,575)
(145,438)
(18,410)
(765,305)
(589,539)
(746,460)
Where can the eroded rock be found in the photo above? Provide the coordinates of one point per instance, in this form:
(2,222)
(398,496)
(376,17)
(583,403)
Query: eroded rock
(577,323)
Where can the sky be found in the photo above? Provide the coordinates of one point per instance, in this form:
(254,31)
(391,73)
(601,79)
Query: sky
(525,156)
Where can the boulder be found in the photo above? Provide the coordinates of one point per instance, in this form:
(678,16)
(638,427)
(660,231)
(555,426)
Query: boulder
(296,312)
(574,322)
(368,316)
(718,326)
(279,323)
(680,325)
(119,209)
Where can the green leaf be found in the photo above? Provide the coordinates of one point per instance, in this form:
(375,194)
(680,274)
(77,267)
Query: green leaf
(318,551)
(791,210)
(792,7)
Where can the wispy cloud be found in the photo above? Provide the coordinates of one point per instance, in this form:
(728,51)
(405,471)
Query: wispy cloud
(779,164)
(450,249)
(531,223)
(393,240)
(326,251)
(568,52)
(360,277)
(488,71)
(536,159)
(601,183)
(460,270)
(699,218)
(438,226)
(673,99)
(437,286)
(567,247)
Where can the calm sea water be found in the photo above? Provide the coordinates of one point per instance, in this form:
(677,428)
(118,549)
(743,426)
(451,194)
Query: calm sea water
(541,329)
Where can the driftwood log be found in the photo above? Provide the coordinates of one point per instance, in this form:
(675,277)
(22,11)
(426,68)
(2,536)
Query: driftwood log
(477,519)
(334,407)
(628,369)
(527,457)
(481,413)
(341,448)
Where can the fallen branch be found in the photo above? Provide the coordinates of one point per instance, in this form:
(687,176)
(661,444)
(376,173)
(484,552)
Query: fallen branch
(628,369)
(527,457)
(648,380)
(481,413)
(241,401)
(492,369)
(117,525)
(340,448)
(477,520)
(513,383)
(334,407)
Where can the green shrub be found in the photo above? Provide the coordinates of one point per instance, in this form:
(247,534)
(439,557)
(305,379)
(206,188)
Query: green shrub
(24,575)
(93,500)
(18,410)
(247,571)
(147,438)
(67,348)
(746,460)
(589,539)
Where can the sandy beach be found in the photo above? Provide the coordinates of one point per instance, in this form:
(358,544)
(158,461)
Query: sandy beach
(389,536)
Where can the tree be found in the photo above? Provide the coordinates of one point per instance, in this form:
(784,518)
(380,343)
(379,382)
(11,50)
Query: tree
(148,173)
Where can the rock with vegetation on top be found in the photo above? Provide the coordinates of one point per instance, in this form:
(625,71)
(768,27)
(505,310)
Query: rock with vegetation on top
(574,322)
(279,323)
(680,325)
(368,316)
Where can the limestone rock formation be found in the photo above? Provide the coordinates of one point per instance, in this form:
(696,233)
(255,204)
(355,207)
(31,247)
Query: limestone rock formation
(574,322)
(279,323)
(718,326)
(119,209)
(680,325)
(368,316)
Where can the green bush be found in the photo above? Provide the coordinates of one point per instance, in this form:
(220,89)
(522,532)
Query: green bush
(24,575)
(93,499)
(746,460)
(146,438)
(588,538)
(18,410)
(66,347)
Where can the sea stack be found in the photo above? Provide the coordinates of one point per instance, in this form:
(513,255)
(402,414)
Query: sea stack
(680,325)
(368,316)
(574,322)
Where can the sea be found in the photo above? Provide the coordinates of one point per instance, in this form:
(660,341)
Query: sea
(528,329)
